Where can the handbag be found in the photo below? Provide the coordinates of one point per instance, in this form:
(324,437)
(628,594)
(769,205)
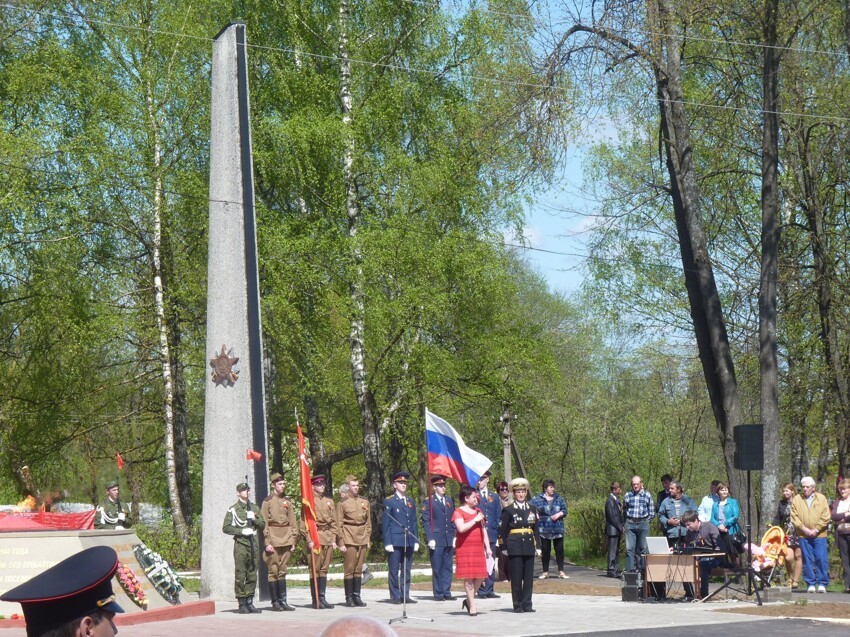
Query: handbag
(843,528)
(739,541)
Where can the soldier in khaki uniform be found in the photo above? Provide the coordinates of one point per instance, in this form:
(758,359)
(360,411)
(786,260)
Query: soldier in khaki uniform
(279,538)
(112,513)
(326,523)
(354,524)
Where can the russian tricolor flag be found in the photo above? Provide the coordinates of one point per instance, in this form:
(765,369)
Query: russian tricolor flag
(448,456)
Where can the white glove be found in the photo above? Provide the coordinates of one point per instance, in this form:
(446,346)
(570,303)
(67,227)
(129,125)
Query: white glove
(389,548)
(416,547)
(122,517)
(248,532)
(454,542)
(538,552)
(250,515)
(432,544)
(118,527)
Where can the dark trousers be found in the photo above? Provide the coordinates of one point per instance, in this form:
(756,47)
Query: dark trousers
(613,553)
(394,561)
(706,565)
(546,550)
(441,571)
(522,580)
(843,542)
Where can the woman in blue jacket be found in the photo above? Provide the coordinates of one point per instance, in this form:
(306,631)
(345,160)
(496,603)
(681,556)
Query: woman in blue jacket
(553,509)
(724,515)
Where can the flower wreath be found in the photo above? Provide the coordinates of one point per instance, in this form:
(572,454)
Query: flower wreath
(131,585)
(160,574)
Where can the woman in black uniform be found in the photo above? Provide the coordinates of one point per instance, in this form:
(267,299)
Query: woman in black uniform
(518,536)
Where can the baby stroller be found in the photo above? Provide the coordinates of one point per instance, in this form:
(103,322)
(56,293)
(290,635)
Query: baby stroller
(769,558)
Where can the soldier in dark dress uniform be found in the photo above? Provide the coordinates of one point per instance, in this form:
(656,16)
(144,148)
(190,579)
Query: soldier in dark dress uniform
(354,527)
(279,538)
(518,536)
(440,533)
(326,527)
(74,597)
(244,521)
(491,505)
(399,528)
(112,513)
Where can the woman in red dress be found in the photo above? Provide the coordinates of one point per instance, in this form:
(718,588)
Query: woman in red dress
(473,545)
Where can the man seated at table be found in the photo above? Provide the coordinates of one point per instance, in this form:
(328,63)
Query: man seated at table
(705,535)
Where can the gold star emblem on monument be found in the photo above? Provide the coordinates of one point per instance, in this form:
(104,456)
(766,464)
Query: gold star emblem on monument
(223,367)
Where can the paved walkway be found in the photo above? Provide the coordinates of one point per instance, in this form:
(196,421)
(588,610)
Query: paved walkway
(556,615)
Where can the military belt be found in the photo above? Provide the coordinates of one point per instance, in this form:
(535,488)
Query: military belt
(516,531)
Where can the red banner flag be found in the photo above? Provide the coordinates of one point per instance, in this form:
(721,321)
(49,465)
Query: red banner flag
(308,503)
(119,460)
(250,454)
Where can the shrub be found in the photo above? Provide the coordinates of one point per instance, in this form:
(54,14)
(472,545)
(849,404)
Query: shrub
(180,555)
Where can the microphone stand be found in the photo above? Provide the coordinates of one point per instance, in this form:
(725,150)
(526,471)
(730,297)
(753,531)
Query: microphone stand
(404,616)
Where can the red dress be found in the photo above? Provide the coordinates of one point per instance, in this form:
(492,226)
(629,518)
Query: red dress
(471,562)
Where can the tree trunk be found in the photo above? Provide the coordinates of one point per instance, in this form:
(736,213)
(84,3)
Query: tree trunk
(178,516)
(706,311)
(375,480)
(770,232)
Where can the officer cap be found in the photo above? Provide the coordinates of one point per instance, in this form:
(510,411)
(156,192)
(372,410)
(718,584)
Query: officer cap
(111,484)
(438,480)
(75,587)
(319,479)
(242,486)
(275,477)
(518,483)
(400,476)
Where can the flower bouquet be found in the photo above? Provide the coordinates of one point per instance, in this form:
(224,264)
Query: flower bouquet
(131,585)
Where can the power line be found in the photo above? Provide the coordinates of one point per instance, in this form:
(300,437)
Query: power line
(438,74)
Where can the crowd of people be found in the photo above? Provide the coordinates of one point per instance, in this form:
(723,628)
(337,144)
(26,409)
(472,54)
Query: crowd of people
(481,538)
(714,524)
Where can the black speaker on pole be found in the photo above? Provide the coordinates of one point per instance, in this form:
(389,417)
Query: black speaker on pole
(749,447)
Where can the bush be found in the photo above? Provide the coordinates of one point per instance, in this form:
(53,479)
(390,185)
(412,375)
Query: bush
(180,555)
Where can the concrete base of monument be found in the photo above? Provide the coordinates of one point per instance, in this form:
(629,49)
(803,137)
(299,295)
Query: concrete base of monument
(25,554)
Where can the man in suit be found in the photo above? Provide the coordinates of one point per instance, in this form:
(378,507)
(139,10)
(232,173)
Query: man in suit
(440,533)
(614,528)
(399,530)
(491,505)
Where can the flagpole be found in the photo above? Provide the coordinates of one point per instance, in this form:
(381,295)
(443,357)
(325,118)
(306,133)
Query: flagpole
(311,560)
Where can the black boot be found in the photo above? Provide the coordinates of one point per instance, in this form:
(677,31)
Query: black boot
(249,604)
(273,595)
(313,595)
(355,591)
(281,595)
(243,609)
(323,584)
(349,596)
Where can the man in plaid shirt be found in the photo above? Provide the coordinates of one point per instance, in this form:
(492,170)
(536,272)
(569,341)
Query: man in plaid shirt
(639,509)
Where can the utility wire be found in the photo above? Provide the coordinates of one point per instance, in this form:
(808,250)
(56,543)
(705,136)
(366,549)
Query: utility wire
(439,74)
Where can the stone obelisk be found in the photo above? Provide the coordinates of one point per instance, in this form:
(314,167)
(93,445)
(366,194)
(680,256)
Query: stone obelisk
(234,419)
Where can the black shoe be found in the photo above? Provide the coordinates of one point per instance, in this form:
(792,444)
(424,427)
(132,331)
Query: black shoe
(492,596)
(465,605)
(249,603)
(409,600)
(323,603)
(395,601)
(243,608)
(518,610)
(349,595)
(528,610)
(274,595)
(356,584)
(451,598)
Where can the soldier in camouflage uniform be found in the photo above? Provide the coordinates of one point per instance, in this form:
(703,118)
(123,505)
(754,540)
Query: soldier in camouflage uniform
(112,513)
(279,539)
(326,525)
(243,521)
(354,526)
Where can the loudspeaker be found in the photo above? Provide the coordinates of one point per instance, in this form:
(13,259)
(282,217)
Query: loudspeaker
(632,593)
(749,447)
